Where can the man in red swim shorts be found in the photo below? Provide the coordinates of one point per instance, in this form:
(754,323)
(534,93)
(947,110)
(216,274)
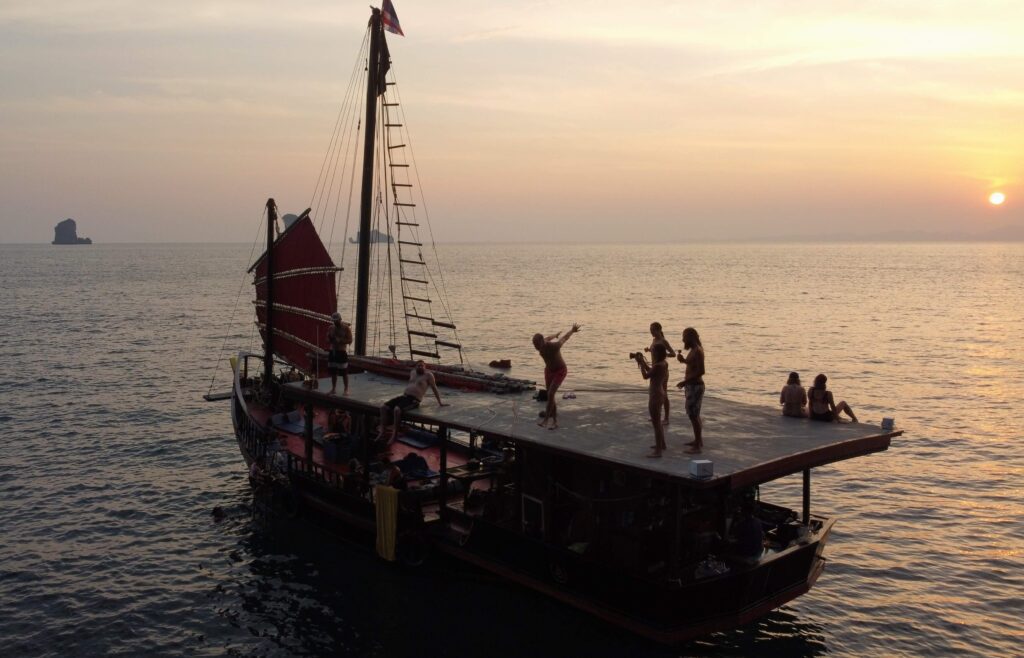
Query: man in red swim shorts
(555,370)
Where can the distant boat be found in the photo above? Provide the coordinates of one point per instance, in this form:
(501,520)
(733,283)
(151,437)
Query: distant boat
(375,236)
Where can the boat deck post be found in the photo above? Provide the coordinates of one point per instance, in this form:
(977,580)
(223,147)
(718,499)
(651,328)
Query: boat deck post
(442,435)
(807,496)
(677,529)
(308,435)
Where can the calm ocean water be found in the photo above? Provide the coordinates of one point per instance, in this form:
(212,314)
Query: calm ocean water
(112,462)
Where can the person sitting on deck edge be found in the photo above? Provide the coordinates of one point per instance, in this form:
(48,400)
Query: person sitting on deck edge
(555,370)
(793,398)
(419,380)
(821,404)
(693,384)
(657,373)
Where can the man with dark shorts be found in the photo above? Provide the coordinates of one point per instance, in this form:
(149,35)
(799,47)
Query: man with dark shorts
(693,385)
(339,336)
(555,370)
(420,379)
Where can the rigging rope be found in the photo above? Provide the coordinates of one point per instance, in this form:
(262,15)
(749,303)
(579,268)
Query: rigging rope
(443,290)
(234,306)
(360,57)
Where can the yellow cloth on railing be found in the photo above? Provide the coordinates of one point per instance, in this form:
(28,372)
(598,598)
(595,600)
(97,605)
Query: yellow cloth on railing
(386,500)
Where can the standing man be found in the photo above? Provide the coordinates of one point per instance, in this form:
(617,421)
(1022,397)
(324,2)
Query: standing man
(339,336)
(657,373)
(693,385)
(420,379)
(555,370)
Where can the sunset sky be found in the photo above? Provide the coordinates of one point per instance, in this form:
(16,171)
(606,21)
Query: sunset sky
(574,121)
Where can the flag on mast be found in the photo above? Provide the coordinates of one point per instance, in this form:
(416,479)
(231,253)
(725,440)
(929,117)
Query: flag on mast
(390,19)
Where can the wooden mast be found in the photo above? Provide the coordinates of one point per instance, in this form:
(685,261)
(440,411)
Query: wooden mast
(268,340)
(366,199)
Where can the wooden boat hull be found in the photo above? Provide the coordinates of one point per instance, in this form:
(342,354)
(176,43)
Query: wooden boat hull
(664,612)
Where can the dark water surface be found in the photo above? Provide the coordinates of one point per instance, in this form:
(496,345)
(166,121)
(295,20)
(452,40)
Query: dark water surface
(112,462)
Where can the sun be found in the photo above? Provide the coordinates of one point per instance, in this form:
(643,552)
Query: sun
(996,198)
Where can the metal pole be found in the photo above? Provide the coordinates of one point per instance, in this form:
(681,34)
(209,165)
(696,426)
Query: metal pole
(308,435)
(366,198)
(268,341)
(807,496)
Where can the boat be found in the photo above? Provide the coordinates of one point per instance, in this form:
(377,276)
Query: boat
(578,515)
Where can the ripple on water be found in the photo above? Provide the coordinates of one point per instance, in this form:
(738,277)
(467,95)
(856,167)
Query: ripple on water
(114,463)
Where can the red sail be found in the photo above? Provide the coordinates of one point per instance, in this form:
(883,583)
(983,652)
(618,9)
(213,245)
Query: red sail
(304,296)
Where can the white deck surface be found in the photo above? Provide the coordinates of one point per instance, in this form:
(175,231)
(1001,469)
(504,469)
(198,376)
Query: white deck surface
(746,443)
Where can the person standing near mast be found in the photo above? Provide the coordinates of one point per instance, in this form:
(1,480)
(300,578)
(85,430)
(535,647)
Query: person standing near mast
(339,336)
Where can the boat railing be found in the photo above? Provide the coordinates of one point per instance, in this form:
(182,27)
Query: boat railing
(254,438)
(301,465)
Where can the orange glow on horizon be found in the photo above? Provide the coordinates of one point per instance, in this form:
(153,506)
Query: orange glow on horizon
(997,198)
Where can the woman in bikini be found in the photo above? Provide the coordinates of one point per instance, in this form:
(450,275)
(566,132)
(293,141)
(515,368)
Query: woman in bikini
(659,339)
(657,373)
(822,406)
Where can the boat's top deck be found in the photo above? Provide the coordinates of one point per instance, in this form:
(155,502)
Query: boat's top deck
(748,444)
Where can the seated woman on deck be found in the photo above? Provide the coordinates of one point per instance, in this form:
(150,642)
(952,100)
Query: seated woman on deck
(793,398)
(821,404)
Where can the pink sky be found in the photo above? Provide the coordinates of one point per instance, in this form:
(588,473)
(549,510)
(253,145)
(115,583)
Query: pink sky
(533,121)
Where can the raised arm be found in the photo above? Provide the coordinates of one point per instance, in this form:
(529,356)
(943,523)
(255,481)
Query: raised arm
(568,334)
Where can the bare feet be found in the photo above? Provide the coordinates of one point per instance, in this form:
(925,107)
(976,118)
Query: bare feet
(654,454)
(695,449)
(346,392)
(665,422)
(331,392)
(554,427)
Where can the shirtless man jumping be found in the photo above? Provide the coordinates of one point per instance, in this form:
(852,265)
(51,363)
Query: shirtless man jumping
(693,384)
(420,379)
(657,373)
(555,370)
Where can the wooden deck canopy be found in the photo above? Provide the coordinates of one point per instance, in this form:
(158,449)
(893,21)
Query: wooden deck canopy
(748,444)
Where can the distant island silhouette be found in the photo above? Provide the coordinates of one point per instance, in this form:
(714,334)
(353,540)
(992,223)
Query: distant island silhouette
(375,236)
(66,232)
